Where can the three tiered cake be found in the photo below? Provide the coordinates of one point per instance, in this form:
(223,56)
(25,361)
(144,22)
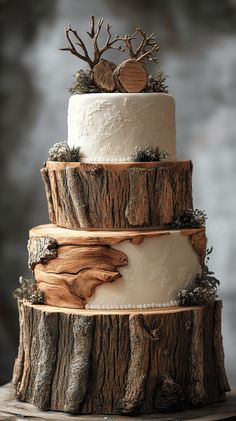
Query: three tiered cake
(122,316)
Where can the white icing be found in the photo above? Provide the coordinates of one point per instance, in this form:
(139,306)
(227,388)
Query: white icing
(157,269)
(109,127)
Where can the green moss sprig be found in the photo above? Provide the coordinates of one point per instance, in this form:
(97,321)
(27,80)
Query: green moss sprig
(29,291)
(203,289)
(84,83)
(157,83)
(149,154)
(64,153)
(190,218)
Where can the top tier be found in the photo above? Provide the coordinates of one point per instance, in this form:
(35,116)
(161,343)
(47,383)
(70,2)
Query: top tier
(110,127)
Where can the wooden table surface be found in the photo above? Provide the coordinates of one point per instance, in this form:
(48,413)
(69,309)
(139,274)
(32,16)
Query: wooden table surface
(13,410)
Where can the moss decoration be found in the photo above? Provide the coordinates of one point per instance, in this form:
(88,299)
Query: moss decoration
(29,291)
(157,83)
(203,288)
(84,83)
(149,154)
(191,218)
(62,152)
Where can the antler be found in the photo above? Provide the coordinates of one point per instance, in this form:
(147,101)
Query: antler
(93,34)
(148,41)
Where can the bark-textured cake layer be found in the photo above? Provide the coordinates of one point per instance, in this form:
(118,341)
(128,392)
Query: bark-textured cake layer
(125,195)
(120,362)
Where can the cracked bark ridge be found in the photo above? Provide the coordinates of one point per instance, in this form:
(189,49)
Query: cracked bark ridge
(118,196)
(47,186)
(41,250)
(124,362)
(170,393)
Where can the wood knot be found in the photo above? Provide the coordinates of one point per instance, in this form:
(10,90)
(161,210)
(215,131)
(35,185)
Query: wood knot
(188,325)
(155,333)
(95,172)
(137,240)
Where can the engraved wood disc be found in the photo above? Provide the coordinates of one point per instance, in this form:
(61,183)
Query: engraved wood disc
(131,76)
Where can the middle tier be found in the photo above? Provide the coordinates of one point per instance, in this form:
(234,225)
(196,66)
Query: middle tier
(114,269)
(117,196)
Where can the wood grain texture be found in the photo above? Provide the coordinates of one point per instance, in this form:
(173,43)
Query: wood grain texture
(72,277)
(103,75)
(119,362)
(131,76)
(65,236)
(118,196)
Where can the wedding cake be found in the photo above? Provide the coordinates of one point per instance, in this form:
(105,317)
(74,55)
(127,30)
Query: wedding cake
(122,315)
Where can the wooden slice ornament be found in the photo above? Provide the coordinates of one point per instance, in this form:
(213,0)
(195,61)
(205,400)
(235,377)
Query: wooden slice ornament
(131,76)
(103,75)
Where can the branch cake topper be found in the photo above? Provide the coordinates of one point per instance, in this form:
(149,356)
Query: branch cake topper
(103,75)
(147,41)
(94,33)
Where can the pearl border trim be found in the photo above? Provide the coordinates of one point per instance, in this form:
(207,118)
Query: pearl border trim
(129,306)
(102,159)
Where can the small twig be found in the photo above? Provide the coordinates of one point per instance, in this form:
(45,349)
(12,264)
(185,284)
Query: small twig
(146,48)
(80,43)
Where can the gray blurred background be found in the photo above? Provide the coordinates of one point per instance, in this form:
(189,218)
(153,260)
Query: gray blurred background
(198,52)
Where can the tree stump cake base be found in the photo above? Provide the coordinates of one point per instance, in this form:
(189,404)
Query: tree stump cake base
(120,362)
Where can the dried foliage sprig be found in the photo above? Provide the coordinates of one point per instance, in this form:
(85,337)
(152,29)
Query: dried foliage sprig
(157,83)
(190,218)
(84,83)
(203,289)
(149,154)
(79,49)
(147,48)
(29,291)
(62,152)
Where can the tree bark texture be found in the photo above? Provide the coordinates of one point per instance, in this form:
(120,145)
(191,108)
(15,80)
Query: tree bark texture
(117,196)
(120,362)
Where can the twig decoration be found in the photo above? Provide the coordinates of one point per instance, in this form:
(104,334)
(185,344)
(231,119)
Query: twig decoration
(95,29)
(147,47)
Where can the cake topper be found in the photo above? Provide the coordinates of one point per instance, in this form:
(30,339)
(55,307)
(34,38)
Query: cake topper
(94,33)
(131,75)
(102,70)
(105,76)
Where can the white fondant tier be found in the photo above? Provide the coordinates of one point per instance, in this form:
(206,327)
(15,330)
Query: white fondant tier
(109,127)
(157,270)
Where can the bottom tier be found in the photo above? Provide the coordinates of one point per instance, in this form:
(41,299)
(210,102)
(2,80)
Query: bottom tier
(120,362)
